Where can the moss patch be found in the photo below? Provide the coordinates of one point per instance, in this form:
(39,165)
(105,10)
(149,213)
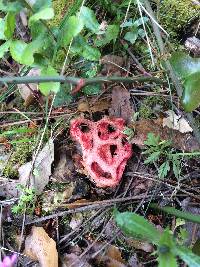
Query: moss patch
(60,8)
(175,15)
(20,155)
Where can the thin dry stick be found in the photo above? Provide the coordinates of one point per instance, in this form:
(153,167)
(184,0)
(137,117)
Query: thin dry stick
(98,204)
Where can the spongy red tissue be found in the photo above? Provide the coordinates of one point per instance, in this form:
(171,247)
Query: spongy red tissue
(105,149)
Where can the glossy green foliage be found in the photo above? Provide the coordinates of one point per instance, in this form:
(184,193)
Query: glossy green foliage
(136,226)
(168,248)
(188,69)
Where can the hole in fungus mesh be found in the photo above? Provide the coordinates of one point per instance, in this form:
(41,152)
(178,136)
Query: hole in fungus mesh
(113,149)
(124,141)
(111,128)
(99,172)
(84,128)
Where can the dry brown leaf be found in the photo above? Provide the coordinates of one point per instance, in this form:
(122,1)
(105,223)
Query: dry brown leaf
(114,253)
(72,260)
(185,142)
(176,122)
(42,168)
(100,105)
(77,203)
(112,65)
(27,91)
(39,246)
(121,106)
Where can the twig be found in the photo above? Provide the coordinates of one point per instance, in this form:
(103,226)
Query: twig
(75,80)
(98,204)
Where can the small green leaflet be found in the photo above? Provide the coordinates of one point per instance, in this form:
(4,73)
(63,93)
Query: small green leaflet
(88,17)
(154,156)
(46,88)
(9,25)
(131,36)
(152,140)
(72,27)
(163,169)
(44,14)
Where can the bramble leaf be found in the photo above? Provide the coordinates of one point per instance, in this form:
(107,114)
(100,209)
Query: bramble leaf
(9,25)
(88,17)
(72,27)
(48,87)
(44,14)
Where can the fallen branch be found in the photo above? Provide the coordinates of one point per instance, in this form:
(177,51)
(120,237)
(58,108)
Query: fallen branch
(77,81)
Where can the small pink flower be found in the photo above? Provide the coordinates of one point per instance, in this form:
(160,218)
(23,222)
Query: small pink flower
(9,261)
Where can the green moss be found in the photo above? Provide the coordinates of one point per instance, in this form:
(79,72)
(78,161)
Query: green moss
(175,15)
(147,108)
(64,9)
(22,152)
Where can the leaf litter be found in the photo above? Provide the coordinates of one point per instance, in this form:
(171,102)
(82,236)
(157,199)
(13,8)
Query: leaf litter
(62,183)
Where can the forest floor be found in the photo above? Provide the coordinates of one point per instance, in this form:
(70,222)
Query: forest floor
(56,209)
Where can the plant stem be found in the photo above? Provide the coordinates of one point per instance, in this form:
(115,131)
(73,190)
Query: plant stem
(191,154)
(76,80)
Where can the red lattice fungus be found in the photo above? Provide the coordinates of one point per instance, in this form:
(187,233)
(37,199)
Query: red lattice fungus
(104,147)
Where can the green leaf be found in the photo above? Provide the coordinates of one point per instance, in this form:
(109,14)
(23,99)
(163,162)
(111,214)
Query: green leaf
(166,255)
(88,17)
(81,48)
(70,29)
(44,14)
(136,226)
(91,53)
(4,48)
(153,157)
(131,36)
(152,140)
(17,49)
(178,213)
(41,4)
(2,29)
(48,87)
(188,256)
(9,25)
(110,34)
(63,97)
(8,6)
(184,65)
(176,166)
(191,94)
(163,170)
(92,89)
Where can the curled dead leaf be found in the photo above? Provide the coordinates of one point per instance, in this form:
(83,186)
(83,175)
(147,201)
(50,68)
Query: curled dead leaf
(40,247)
